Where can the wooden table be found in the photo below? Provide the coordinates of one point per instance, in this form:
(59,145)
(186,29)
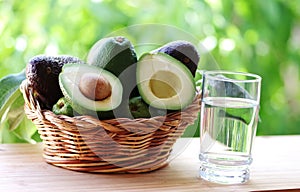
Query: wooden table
(276,166)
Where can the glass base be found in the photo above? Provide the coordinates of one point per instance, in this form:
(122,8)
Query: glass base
(224,174)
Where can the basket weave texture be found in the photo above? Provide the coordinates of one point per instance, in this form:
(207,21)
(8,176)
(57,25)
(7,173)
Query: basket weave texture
(85,143)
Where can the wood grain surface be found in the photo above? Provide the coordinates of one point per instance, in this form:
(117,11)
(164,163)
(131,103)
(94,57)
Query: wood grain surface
(276,166)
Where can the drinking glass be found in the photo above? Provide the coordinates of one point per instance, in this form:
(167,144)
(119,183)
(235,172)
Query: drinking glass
(229,117)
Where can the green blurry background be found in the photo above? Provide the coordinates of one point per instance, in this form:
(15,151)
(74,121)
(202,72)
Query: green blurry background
(254,36)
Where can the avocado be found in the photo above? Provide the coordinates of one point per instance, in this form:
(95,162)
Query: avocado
(164,82)
(183,51)
(90,89)
(116,55)
(140,109)
(42,74)
(63,107)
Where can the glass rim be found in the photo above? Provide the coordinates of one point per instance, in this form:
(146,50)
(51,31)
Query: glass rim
(208,74)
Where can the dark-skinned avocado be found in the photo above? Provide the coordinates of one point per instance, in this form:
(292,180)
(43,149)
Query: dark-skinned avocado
(63,107)
(42,74)
(183,51)
(90,89)
(164,82)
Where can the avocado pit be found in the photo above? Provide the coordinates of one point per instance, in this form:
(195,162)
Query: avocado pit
(95,86)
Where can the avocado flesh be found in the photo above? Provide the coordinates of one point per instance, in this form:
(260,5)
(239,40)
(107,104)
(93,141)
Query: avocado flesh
(164,82)
(69,81)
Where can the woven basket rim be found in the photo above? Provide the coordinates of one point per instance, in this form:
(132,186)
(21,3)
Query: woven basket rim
(24,87)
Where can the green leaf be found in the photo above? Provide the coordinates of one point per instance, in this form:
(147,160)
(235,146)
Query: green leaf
(9,90)
(14,125)
(36,137)
(25,130)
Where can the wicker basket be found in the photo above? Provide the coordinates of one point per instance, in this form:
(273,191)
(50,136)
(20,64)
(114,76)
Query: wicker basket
(84,143)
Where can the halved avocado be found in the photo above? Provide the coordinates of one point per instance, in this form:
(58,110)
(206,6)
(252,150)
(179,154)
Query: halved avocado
(90,88)
(165,82)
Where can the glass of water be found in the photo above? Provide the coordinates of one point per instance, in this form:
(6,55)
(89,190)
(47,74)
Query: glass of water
(229,117)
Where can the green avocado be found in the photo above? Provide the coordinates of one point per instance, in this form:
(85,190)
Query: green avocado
(90,89)
(164,82)
(116,55)
(183,51)
(63,107)
(140,109)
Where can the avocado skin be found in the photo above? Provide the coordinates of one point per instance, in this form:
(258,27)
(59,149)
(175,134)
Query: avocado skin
(63,107)
(42,74)
(140,109)
(183,51)
(135,108)
(116,55)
